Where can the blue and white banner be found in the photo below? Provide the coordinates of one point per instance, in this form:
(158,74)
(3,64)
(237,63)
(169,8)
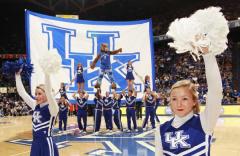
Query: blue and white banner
(79,41)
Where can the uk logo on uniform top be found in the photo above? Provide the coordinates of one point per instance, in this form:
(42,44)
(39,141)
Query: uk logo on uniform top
(37,117)
(177,140)
(78,41)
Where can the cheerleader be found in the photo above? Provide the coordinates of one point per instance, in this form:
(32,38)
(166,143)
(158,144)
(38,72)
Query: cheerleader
(45,111)
(129,76)
(63,90)
(149,100)
(63,112)
(79,77)
(105,64)
(131,109)
(187,122)
(98,111)
(82,110)
(190,132)
(146,82)
(117,111)
(107,111)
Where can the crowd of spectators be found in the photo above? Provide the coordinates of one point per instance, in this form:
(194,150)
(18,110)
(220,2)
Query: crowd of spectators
(171,67)
(12,105)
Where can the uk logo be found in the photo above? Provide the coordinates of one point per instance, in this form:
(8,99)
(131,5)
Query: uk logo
(61,39)
(37,117)
(78,41)
(177,140)
(118,144)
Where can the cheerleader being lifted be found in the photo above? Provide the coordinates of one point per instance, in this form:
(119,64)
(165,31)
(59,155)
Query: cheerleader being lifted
(105,64)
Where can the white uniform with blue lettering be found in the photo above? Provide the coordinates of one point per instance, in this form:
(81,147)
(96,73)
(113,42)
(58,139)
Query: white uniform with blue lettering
(191,135)
(42,120)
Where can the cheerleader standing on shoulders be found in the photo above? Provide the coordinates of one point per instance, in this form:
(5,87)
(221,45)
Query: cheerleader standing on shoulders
(63,112)
(45,111)
(146,82)
(79,77)
(105,64)
(129,76)
(82,110)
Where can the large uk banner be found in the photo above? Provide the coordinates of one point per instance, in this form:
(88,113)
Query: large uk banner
(78,41)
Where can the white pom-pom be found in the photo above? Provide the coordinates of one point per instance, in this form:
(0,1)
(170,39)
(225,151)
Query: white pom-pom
(206,28)
(51,61)
(183,32)
(214,26)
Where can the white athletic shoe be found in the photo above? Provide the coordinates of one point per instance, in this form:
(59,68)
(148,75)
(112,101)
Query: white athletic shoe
(144,129)
(118,131)
(136,130)
(128,130)
(96,133)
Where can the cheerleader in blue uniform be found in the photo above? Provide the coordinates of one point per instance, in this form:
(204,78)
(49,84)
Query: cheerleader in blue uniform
(129,76)
(149,100)
(45,111)
(117,111)
(107,111)
(63,90)
(131,109)
(146,82)
(190,132)
(79,77)
(82,110)
(63,111)
(98,111)
(105,64)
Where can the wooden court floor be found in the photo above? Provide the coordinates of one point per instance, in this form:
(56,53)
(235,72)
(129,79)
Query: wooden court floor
(15,139)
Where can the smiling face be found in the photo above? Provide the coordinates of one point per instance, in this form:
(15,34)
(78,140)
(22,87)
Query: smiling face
(182,102)
(183,98)
(40,95)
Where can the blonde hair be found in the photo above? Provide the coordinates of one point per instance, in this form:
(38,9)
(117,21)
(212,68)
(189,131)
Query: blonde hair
(193,90)
(41,86)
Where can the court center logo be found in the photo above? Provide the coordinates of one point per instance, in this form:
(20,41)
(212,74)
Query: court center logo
(61,39)
(113,145)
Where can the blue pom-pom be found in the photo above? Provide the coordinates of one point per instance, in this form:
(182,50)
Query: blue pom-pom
(10,68)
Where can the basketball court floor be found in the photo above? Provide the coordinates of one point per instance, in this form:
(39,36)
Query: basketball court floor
(16,135)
